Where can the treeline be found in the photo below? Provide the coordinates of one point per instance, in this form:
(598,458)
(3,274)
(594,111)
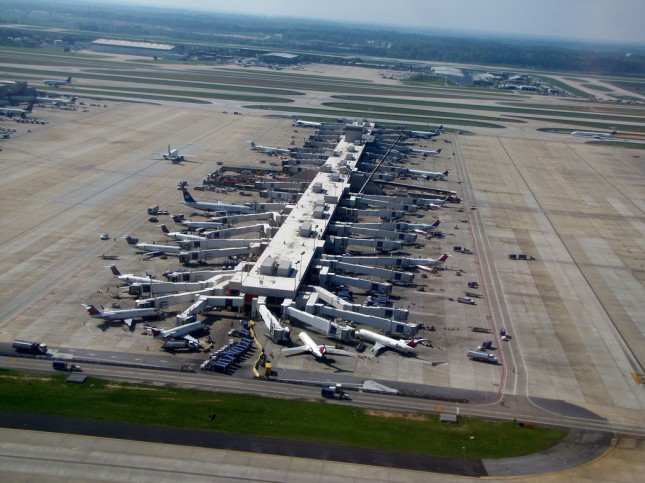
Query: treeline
(317,37)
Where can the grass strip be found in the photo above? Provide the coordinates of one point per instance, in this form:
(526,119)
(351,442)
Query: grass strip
(290,419)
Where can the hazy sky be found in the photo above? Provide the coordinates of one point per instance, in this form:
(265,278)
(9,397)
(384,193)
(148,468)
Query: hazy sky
(614,20)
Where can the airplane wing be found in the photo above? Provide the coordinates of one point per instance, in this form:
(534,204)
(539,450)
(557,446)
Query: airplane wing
(128,322)
(337,352)
(295,350)
(190,338)
(378,347)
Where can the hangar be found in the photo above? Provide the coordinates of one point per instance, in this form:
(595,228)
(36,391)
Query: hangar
(147,49)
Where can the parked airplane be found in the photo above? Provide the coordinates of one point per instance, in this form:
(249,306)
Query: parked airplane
(298,122)
(173,155)
(17,111)
(436,176)
(151,248)
(58,83)
(57,102)
(318,351)
(433,263)
(426,152)
(126,316)
(177,235)
(269,149)
(129,277)
(593,134)
(427,134)
(218,207)
(181,332)
(198,224)
(383,342)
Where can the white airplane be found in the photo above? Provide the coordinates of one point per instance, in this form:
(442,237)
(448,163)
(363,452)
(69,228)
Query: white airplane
(383,342)
(58,83)
(173,155)
(57,102)
(151,248)
(269,149)
(426,152)
(177,235)
(433,263)
(181,332)
(427,134)
(198,224)
(17,111)
(126,316)
(318,351)
(436,176)
(129,277)
(298,122)
(593,134)
(219,207)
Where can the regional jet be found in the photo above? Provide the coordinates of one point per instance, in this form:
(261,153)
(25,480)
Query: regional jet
(58,83)
(427,134)
(126,316)
(173,155)
(181,332)
(594,134)
(269,149)
(309,346)
(433,263)
(57,102)
(129,277)
(177,235)
(426,152)
(436,176)
(150,248)
(193,225)
(218,207)
(16,111)
(298,122)
(383,342)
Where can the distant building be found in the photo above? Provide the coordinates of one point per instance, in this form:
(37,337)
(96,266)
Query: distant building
(126,47)
(279,58)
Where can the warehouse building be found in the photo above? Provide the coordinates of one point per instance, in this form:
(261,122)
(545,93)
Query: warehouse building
(279,58)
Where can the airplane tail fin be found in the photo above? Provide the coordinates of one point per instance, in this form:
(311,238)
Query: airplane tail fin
(30,107)
(439,151)
(436,223)
(130,240)
(614,132)
(444,257)
(177,220)
(69,80)
(414,342)
(164,228)
(91,309)
(440,128)
(115,271)
(446,172)
(188,198)
(73,100)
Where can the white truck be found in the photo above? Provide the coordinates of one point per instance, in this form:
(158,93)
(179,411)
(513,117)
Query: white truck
(482,356)
(31,347)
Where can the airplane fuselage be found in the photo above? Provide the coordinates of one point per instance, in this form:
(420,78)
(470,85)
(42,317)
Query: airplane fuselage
(180,331)
(398,345)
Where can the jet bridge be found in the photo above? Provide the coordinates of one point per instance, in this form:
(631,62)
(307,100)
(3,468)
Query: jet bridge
(210,244)
(354,214)
(400,226)
(358,201)
(329,328)
(270,216)
(340,244)
(327,279)
(334,265)
(388,325)
(261,228)
(352,229)
(203,255)
(277,332)
(389,261)
(329,298)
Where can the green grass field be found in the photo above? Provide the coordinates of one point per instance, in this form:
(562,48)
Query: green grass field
(290,419)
